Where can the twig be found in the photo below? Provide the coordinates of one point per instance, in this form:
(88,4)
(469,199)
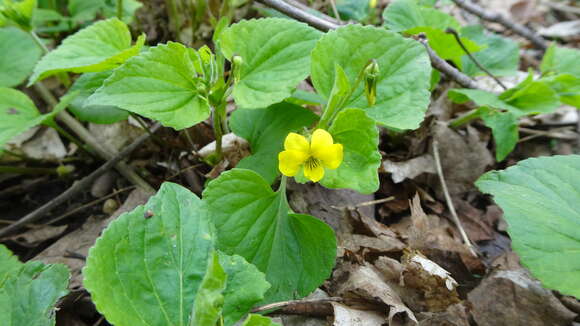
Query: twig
(376,201)
(479,65)
(102,149)
(448,198)
(325,24)
(334,9)
(89,204)
(76,187)
(519,29)
(447,69)
(278,305)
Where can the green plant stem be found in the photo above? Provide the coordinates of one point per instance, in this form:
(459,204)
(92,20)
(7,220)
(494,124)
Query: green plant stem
(464,118)
(173,14)
(70,137)
(218,129)
(38,42)
(120,9)
(25,170)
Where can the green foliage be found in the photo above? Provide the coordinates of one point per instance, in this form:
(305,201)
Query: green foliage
(102,46)
(295,251)
(504,128)
(257,320)
(30,291)
(409,17)
(529,97)
(405,70)
(266,130)
(19,55)
(276,57)
(86,85)
(561,60)
(500,57)
(161,83)
(209,300)
(152,265)
(17,13)
(359,137)
(560,66)
(86,10)
(540,198)
(19,113)
(357,10)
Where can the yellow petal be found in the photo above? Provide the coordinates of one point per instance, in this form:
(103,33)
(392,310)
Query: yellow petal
(330,156)
(296,142)
(320,140)
(313,173)
(289,162)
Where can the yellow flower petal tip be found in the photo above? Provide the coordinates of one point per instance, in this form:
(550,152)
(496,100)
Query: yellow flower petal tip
(312,156)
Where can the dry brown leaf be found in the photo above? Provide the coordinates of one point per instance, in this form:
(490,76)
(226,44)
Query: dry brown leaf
(435,283)
(455,315)
(347,316)
(32,237)
(364,282)
(411,168)
(46,145)
(512,297)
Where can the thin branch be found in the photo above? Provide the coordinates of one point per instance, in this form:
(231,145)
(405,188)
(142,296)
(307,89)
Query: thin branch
(519,29)
(334,9)
(325,24)
(77,187)
(283,304)
(448,199)
(447,69)
(479,65)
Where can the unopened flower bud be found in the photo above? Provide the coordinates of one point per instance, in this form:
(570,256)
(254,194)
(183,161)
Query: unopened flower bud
(237,62)
(371,76)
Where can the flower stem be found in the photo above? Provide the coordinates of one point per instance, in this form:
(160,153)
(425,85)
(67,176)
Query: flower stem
(464,118)
(120,9)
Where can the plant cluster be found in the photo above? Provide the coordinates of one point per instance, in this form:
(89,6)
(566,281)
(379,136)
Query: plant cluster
(184,260)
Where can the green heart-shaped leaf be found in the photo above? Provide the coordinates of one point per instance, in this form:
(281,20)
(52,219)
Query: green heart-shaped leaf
(540,198)
(276,57)
(19,55)
(405,72)
(295,251)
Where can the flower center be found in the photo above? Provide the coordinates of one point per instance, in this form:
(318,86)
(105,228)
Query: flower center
(312,163)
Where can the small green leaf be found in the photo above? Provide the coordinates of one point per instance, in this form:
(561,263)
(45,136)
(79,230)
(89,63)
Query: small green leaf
(359,137)
(276,57)
(209,300)
(532,97)
(30,291)
(18,114)
(18,13)
(407,16)
(339,95)
(102,46)
(566,86)
(149,263)
(481,98)
(257,320)
(402,15)
(160,84)
(405,70)
(561,60)
(19,55)
(504,128)
(501,56)
(87,84)
(540,198)
(246,287)
(266,130)
(295,251)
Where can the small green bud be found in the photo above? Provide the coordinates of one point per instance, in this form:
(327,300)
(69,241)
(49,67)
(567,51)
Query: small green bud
(237,63)
(371,76)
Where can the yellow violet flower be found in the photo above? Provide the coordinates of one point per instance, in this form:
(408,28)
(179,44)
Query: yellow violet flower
(315,156)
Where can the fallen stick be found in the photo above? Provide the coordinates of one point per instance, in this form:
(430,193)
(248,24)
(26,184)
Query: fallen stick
(77,186)
(495,17)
